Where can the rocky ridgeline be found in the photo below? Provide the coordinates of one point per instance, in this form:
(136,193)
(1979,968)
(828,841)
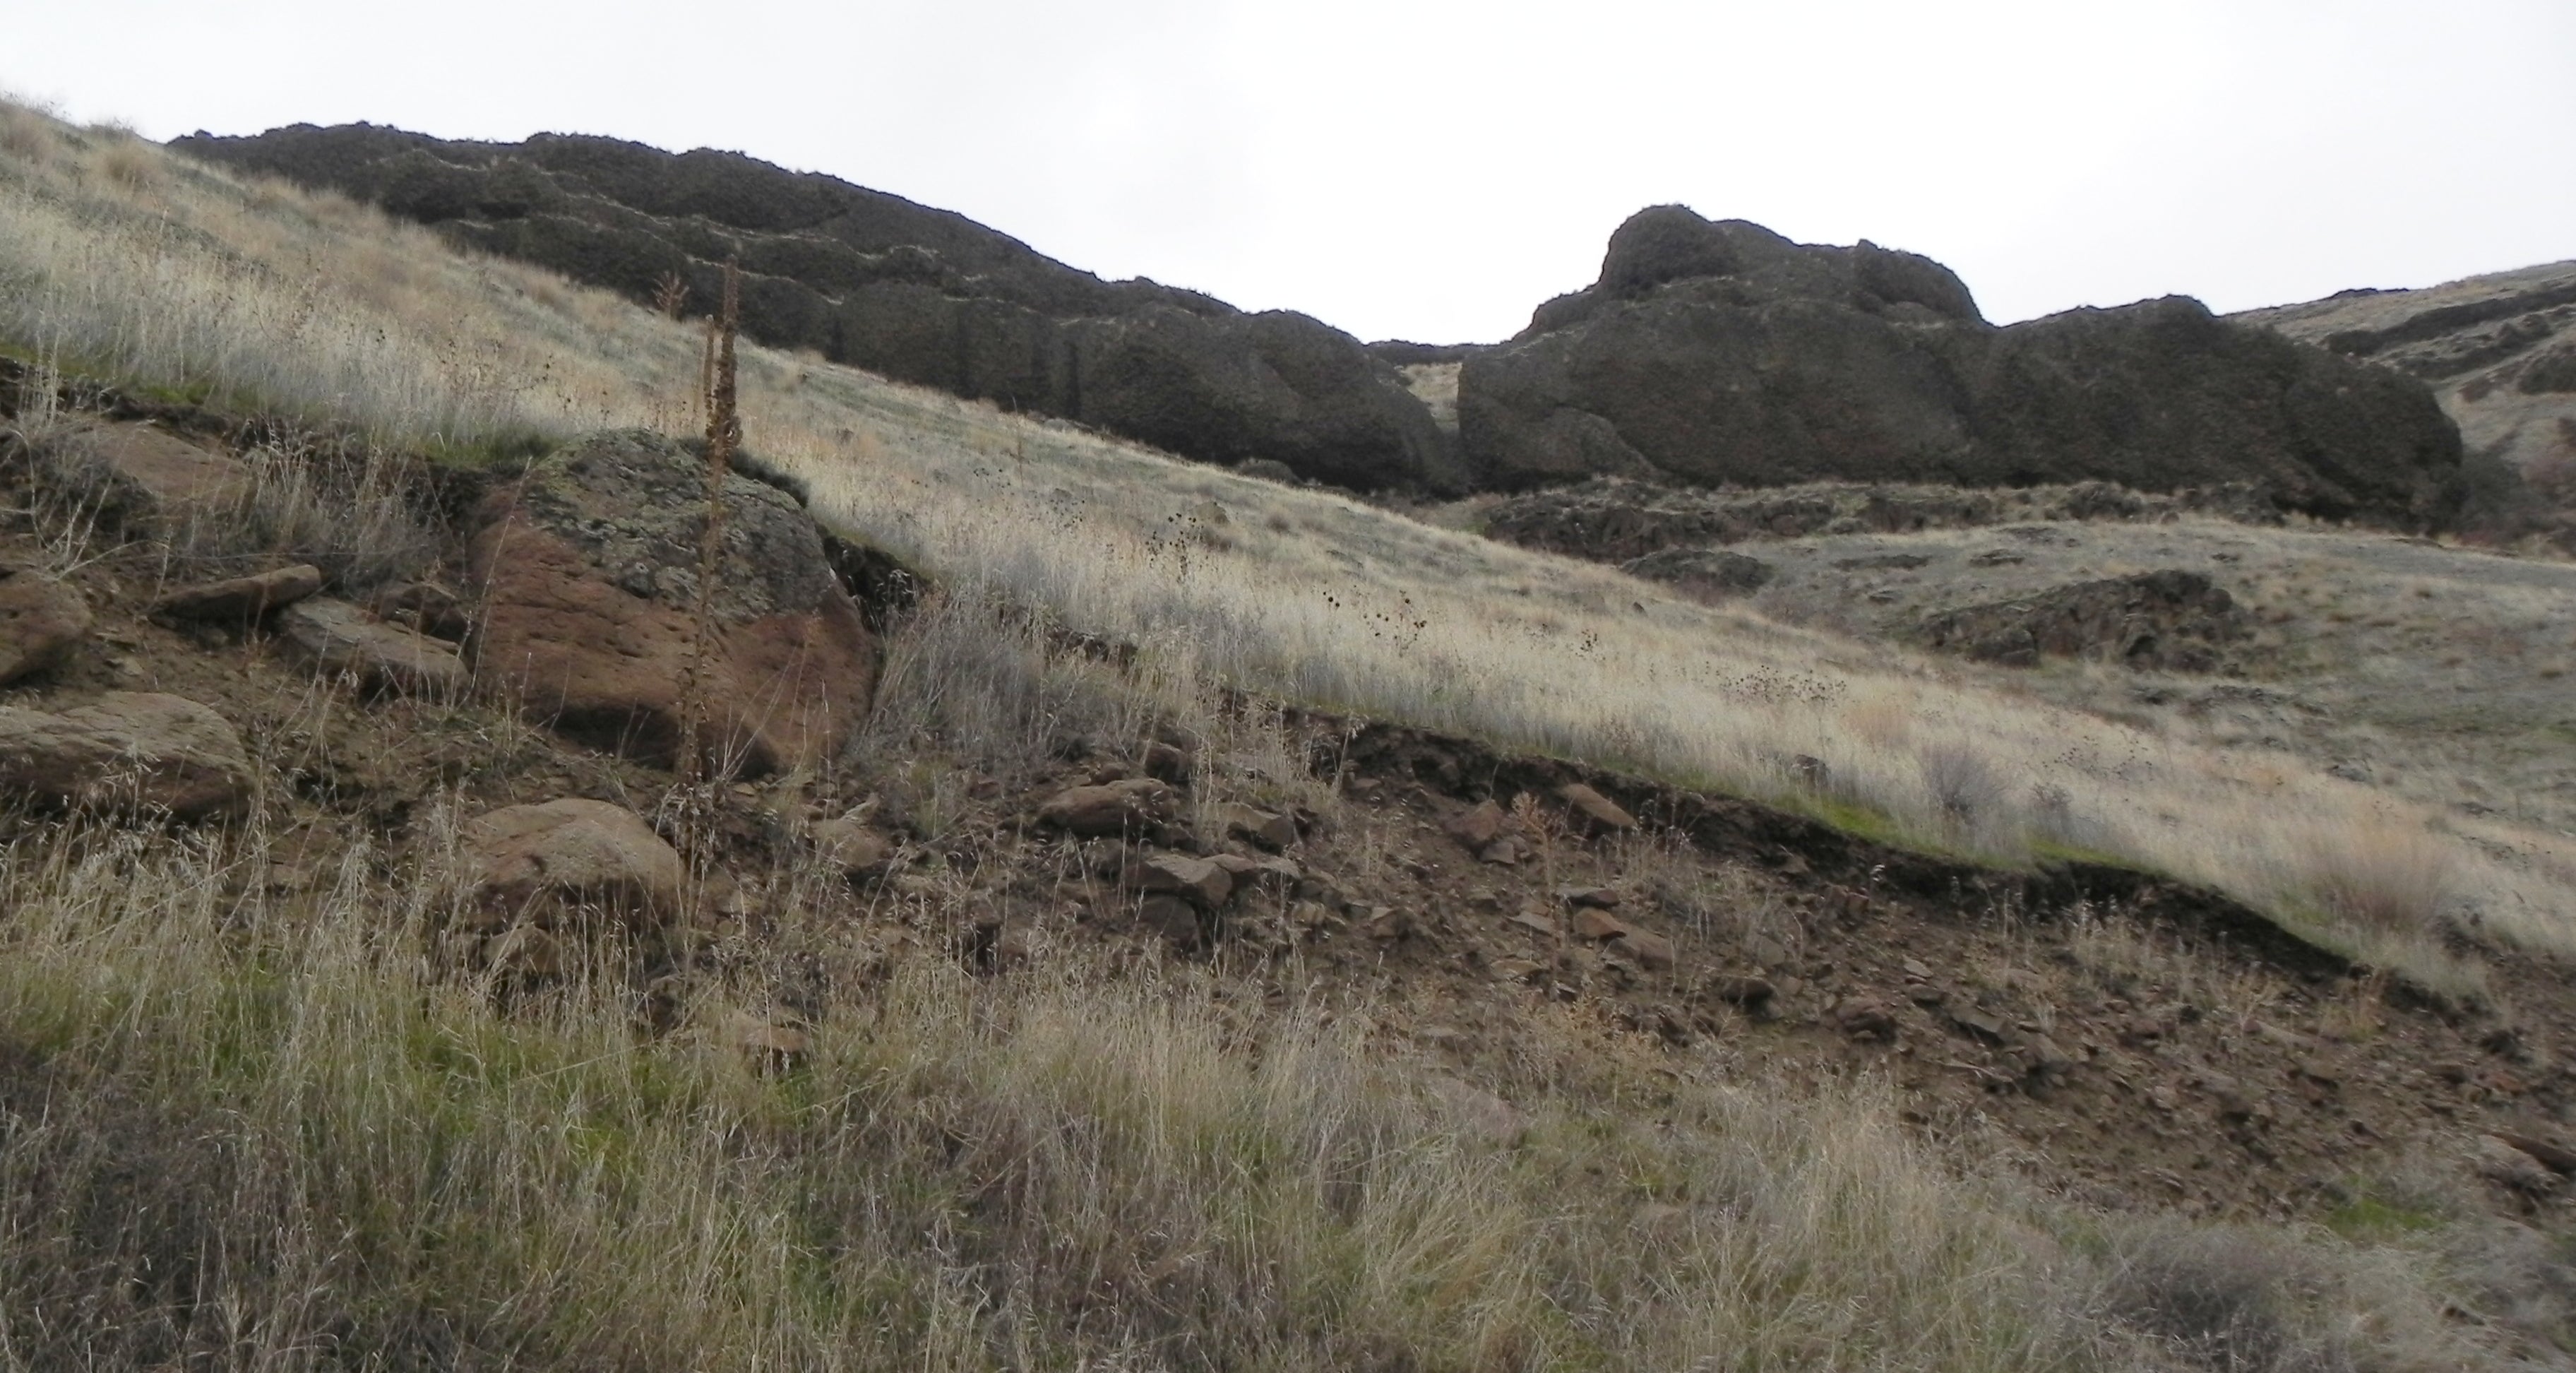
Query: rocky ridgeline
(876,281)
(1708,354)
(1722,353)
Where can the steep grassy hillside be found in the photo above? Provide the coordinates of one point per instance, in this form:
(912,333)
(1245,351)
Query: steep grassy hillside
(255,1110)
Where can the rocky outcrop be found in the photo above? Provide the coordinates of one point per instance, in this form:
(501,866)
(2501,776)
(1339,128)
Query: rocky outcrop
(41,621)
(587,569)
(2172,620)
(876,281)
(1723,354)
(128,752)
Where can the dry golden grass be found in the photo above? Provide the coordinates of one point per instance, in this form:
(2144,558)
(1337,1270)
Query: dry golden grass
(195,282)
(251,1125)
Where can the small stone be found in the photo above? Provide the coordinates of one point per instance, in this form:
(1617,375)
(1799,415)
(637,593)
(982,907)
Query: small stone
(1652,952)
(1980,1024)
(1607,898)
(1766,951)
(850,847)
(1603,812)
(1862,1018)
(1504,852)
(1516,969)
(1180,875)
(1591,922)
(1538,922)
(41,622)
(1387,924)
(1265,828)
(1749,993)
(339,637)
(239,600)
(528,863)
(1479,827)
(1915,969)
(1175,919)
(1170,762)
(425,606)
(1111,808)
(1312,915)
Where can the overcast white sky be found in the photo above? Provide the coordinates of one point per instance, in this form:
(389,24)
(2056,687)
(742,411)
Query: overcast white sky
(1432,169)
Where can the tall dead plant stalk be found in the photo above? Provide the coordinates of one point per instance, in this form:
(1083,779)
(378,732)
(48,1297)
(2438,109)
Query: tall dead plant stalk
(724,436)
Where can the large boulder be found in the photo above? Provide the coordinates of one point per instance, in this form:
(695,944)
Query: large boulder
(587,569)
(1717,354)
(131,752)
(876,281)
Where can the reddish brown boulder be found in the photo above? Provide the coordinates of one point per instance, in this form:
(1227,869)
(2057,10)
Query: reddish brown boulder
(41,621)
(587,570)
(127,751)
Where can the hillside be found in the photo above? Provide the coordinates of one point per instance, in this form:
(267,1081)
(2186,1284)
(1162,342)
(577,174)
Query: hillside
(1201,922)
(2499,351)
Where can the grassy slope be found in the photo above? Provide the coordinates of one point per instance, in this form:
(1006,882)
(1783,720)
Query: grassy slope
(1309,595)
(266,1131)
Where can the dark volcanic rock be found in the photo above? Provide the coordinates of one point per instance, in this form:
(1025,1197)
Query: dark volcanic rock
(876,281)
(1721,353)
(2171,620)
